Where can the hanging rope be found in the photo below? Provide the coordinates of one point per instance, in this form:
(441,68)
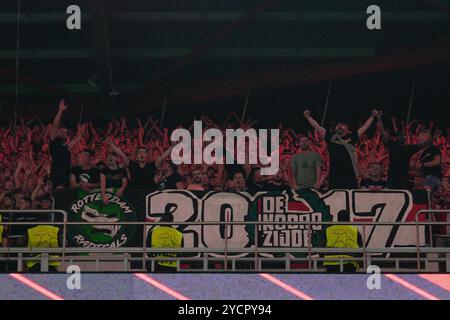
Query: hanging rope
(16,93)
(246,105)
(411,99)
(325,109)
(81,114)
(163,112)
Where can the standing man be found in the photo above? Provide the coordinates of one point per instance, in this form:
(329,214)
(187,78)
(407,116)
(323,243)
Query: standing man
(306,167)
(60,150)
(344,169)
(400,155)
(429,163)
(112,177)
(84,176)
(172,179)
(142,173)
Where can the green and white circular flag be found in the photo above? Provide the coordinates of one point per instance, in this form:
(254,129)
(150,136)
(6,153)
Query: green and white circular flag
(89,207)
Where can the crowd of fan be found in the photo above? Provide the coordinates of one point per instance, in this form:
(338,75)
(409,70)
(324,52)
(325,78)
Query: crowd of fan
(132,153)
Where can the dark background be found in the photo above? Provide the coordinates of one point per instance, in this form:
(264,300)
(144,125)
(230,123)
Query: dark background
(126,46)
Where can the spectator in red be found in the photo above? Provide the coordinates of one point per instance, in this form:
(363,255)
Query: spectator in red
(195,181)
(7,201)
(44,202)
(278,181)
(372,179)
(238,182)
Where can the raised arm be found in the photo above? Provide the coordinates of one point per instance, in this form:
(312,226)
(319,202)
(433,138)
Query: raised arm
(17,181)
(384,134)
(57,121)
(120,153)
(159,161)
(368,123)
(394,124)
(320,130)
(77,138)
(141,131)
(94,133)
(34,194)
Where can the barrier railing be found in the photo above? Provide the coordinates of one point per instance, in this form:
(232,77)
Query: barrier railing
(427,212)
(368,253)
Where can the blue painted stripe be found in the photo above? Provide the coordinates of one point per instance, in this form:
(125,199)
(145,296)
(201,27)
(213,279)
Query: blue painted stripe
(11,289)
(426,285)
(346,287)
(217,286)
(101,287)
(224,286)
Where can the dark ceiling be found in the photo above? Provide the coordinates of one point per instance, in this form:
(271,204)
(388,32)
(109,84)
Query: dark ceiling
(143,49)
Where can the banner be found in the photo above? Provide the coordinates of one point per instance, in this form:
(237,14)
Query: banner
(89,207)
(268,206)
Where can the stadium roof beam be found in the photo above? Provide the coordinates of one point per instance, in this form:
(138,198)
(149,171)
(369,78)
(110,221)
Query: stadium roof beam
(100,32)
(309,17)
(48,54)
(244,53)
(35,83)
(292,76)
(167,54)
(40,17)
(271,17)
(74,88)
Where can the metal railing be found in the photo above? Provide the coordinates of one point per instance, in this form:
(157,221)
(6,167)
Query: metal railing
(255,254)
(427,212)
